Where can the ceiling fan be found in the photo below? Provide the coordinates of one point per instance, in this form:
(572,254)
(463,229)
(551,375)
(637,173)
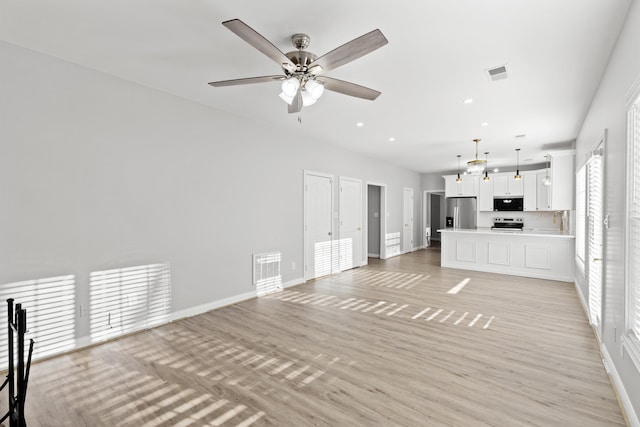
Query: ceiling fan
(302,82)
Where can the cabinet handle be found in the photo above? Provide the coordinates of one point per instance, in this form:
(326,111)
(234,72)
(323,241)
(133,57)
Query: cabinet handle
(597,259)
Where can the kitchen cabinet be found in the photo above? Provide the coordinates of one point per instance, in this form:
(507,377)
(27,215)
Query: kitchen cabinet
(562,180)
(468,187)
(540,255)
(485,195)
(506,185)
(530,189)
(543,193)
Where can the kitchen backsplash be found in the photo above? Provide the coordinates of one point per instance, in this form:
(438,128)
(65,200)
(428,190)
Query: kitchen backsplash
(531,219)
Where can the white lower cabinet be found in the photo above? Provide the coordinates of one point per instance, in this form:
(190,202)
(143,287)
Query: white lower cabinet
(529,255)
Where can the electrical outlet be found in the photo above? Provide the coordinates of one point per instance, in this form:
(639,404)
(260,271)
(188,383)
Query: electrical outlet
(293,265)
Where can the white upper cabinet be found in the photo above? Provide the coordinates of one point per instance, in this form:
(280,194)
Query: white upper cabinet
(562,180)
(543,193)
(505,185)
(530,196)
(468,187)
(485,195)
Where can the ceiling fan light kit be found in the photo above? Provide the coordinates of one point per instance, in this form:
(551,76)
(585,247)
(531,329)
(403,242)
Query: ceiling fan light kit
(290,86)
(302,84)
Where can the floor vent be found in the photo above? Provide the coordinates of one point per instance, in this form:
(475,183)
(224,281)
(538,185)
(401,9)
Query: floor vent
(266,273)
(497,73)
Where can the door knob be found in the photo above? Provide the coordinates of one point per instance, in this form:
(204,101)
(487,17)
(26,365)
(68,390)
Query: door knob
(329,233)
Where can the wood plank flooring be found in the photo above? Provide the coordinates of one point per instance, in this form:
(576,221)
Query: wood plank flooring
(382,345)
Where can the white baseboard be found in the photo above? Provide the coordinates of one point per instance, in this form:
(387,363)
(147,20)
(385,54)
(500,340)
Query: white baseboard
(582,299)
(294,282)
(632,417)
(203,308)
(373,255)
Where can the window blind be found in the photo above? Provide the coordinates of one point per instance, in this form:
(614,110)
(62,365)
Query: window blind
(633,235)
(594,216)
(580,215)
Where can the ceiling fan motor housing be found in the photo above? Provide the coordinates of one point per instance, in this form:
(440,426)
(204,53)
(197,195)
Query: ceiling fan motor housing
(301,59)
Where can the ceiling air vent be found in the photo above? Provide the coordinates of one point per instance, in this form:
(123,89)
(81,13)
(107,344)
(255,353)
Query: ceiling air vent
(497,73)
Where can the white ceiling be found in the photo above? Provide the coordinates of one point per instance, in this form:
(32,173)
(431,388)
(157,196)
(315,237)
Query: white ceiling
(438,51)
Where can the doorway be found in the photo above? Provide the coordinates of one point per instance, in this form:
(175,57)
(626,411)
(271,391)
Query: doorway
(376,220)
(433,220)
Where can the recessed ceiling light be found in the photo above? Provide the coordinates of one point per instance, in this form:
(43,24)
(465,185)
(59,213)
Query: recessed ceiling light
(359,124)
(468,101)
(485,124)
(392,139)
(496,170)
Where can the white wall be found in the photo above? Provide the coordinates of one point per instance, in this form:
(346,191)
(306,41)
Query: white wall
(99,173)
(432,182)
(607,112)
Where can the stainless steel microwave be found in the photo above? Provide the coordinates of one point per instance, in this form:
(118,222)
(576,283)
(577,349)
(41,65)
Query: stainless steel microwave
(507,204)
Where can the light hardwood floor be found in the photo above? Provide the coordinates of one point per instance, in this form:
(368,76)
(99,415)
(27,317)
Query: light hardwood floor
(379,345)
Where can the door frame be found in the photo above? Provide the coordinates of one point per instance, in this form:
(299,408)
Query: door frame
(304,218)
(383,221)
(426,211)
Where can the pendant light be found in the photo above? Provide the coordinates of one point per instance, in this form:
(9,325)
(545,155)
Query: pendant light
(476,166)
(547,179)
(486,166)
(458,179)
(517,176)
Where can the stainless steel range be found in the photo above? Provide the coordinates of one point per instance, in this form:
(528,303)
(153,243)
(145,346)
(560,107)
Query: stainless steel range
(507,223)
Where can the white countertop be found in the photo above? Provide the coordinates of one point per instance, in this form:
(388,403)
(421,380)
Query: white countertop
(523,232)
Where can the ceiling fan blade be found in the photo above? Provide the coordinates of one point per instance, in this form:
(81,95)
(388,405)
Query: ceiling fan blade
(347,88)
(246,81)
(350,51)
(296,104)
(256,40)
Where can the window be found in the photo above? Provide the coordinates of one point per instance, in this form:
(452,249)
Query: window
(594,227)
(631,339)
(580,216)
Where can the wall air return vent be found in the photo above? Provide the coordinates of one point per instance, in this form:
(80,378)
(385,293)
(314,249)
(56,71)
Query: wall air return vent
(497,73)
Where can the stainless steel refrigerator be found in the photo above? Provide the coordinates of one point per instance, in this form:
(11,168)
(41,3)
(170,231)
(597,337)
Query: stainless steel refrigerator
(460,212)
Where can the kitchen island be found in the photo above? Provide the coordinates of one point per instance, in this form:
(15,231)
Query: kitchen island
(543,254)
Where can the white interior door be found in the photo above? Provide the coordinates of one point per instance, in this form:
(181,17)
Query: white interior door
(350,223)
(318,224)
(407,229)
(595,236)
